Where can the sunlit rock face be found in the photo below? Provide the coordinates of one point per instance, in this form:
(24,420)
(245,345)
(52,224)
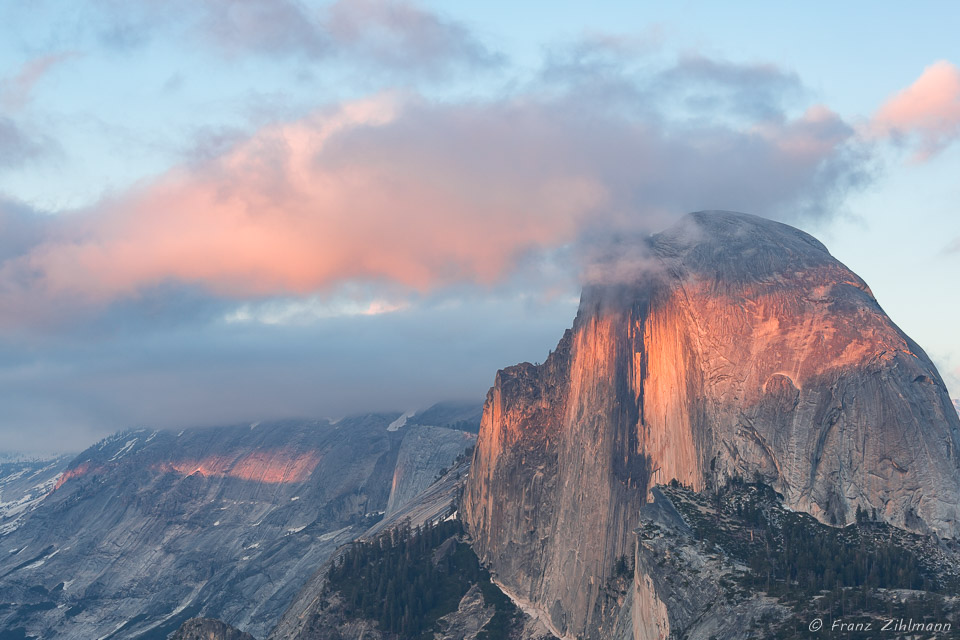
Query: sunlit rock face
(273,466)
(735,345)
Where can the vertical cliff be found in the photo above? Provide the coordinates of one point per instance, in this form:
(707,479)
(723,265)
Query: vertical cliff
(743,346)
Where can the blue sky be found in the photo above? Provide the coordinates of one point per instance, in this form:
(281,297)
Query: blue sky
(225,210)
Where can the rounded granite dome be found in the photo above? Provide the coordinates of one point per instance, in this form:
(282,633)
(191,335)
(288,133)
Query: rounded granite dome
(726,244)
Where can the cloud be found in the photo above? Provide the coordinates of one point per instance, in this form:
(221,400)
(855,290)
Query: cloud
(399,191)
(391,35)
(71,391)
(263,26)
(16,92)
(925,115)
(21,229)
(17,146)
(401,36)
(335,197)
(753,91)
(620,74)
(380,35)
(306,311)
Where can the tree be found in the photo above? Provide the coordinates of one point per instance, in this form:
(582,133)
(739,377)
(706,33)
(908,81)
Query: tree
(861,515)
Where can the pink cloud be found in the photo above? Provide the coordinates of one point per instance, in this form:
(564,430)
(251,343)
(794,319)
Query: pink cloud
(813,135)
(926,113)
(413,196)
(286,212)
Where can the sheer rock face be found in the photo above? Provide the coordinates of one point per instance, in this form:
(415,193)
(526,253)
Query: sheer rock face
(424,454)
(742,346)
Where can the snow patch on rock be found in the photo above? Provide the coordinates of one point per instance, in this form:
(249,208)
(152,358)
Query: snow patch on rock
(402,420)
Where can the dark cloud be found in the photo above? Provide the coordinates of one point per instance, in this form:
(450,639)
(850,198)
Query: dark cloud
(747,91)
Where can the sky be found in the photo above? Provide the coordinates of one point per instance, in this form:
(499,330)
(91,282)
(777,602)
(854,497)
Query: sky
(215,211)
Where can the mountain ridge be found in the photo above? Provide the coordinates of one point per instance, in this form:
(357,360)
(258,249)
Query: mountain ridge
(146,529)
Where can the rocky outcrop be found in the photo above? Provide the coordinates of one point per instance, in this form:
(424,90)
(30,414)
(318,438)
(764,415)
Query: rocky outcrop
(741,346)
(677,584)
(462,415)
(715,565)
(424,455)
(471,616)
(208,629)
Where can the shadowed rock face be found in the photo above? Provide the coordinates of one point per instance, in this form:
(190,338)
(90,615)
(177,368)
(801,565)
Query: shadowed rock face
(149,528)
(742,346)
(424,454)
(23,486)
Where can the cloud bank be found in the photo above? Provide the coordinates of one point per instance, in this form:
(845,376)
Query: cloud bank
(423,194)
